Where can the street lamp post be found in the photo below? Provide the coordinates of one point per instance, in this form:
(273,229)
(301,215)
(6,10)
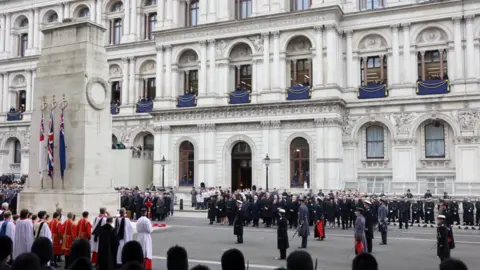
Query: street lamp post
(267,162)
(163,162)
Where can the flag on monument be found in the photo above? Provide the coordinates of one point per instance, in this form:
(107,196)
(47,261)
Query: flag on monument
(41,150)
(62,150)
(51,139)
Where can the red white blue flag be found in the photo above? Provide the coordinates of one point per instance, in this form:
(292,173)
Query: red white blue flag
(41,149)
(51,140)
(62,147)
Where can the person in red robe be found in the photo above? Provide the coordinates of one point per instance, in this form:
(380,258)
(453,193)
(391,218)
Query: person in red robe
(319,221)
(84,227)
(69,234)
(57,237)
(148,205)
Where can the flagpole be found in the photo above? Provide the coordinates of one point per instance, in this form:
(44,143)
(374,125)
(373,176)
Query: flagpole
(63,105)
(52,110)
(43,107)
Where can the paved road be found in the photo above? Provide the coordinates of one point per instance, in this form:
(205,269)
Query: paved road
(407,249)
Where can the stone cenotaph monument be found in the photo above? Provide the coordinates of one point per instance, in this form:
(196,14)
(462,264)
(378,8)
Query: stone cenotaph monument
(71,76)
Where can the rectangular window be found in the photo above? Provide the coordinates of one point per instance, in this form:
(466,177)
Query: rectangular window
(301,71)
(149,88)
(116,92)
(243,77)
(150,21)
(192,13)
(370,4)
(116,31)
(300,4)
(191,82)
(243,9)
(373,71)
(23,45)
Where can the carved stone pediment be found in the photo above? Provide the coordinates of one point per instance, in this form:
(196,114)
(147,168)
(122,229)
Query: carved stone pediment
(189,57)
(432,35)
(403,121)
(299,45)
(148,67)
(373,42)
(115,71)
(241,51)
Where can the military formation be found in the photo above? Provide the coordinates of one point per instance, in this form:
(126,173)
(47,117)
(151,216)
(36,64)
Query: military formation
(341,209)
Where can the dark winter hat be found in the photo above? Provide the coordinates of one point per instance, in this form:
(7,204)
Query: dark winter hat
(42,247)
(233,259)
(132,252)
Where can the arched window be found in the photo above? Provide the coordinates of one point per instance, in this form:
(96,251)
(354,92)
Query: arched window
(300,4)
(23,45)
(192,13)
(373,70)
(186,164)
(117,7)
(24,23)
(148,142)
(17,156)
(434,140)
(299,162)
(243,9)
(84,12)
(370,4)
(116,31)
(53,18)
(432,65)
(375,142)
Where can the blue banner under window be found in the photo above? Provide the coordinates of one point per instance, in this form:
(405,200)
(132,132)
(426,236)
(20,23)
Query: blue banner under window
(433,87)
(114,109)
(298,92)
(373,91)
(239,97)
(186,101)
(14,116)
(144,106)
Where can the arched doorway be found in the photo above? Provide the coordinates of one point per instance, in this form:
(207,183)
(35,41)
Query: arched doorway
(241,166)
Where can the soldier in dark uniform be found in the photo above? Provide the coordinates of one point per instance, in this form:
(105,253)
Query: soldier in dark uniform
(212,209)
(351,208)
(392,209)
(404,213)
(238,223)
(429,212)
(344,212)
(230,209)
(468,213)
(443,247)
(477,214)
(454,212)
(282,235)
(415,214)
(421,213)
(255,211)
(368,225)
(293,212)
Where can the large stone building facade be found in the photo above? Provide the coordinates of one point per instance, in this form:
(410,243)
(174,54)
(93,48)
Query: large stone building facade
(379,95)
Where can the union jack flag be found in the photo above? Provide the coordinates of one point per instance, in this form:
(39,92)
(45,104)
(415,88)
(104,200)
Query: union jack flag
(51,140)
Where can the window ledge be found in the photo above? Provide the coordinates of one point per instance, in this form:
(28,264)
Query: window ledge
(375,163)
(435,162)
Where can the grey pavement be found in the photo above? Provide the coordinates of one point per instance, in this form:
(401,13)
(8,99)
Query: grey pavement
(406,249)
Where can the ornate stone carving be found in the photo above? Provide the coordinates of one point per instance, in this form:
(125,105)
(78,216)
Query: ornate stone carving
(468,119)
(467,140)
(115,71)
(328,122)
(201,127)
(375,163)
(373,42)
(19,80)
(275,124)
(348,124)
(239,127)
(157,129)
(220,47)
(299,124)
(240,51)
(210,127)
(26,138)
(435,163)
(149,67)
(257,43)
(431,35)
(299,44)
(166,129)
(265,124)
(404,141)
(188,129)
(159,48)
(188,57)
(403,121)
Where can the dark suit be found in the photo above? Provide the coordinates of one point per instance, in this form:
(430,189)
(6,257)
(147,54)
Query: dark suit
(238,226)
(443,247)
(282,237)
(107,248)
(304,230)
(368,229)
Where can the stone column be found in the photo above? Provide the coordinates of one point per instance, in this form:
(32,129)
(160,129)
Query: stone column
(266,61)
(98,17)
(36,31)
(395,55)
(5,93)
(176,14)
(212,12)
(174,81)
(265,148)
(2,32)
(329,156)
(276,60)
(61,14)
(2,88)
(406,54)
(133,19)
(212,85)
(471,60)
(31,22)
(414,71)
(202,12)
(159,74)
(332,37)
(168,14)
(200,176)
(451,62)
(160,14)
(138,86)
(202,81)
(319,182)
(28,91)
(125,84)
(8,36)
(210,160)
(274,148)
(93,10)
(131,82)
(165,151)
(126,19)
(24,166)
(169,92)
(318,61)
(157,156)
(350,65)
(458,47)
(66,5)
(32,97)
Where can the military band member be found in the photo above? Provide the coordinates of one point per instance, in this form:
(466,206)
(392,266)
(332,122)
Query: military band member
(382,221)
(282,235)
(443,247)
(238,223)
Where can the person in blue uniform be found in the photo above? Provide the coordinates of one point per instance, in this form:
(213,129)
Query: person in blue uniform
(303,230)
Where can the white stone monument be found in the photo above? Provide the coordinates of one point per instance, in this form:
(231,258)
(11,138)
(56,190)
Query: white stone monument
(72,71)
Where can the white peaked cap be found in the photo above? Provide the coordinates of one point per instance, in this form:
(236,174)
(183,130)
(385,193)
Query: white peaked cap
(367,202)
(281,210)
(441,216)
(240,202)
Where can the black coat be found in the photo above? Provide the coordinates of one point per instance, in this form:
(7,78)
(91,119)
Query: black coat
(238,223)
(368,223)
(443,247)
(212,209)
(282,234)
(107,248)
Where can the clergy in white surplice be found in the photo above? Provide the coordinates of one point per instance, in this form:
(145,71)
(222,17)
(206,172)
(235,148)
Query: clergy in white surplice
(41,228)
(7,227)
(144,237)
(23,239)
(96,228)
(124,232)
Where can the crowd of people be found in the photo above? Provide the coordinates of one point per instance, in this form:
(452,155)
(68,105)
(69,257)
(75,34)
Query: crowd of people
(159,202)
